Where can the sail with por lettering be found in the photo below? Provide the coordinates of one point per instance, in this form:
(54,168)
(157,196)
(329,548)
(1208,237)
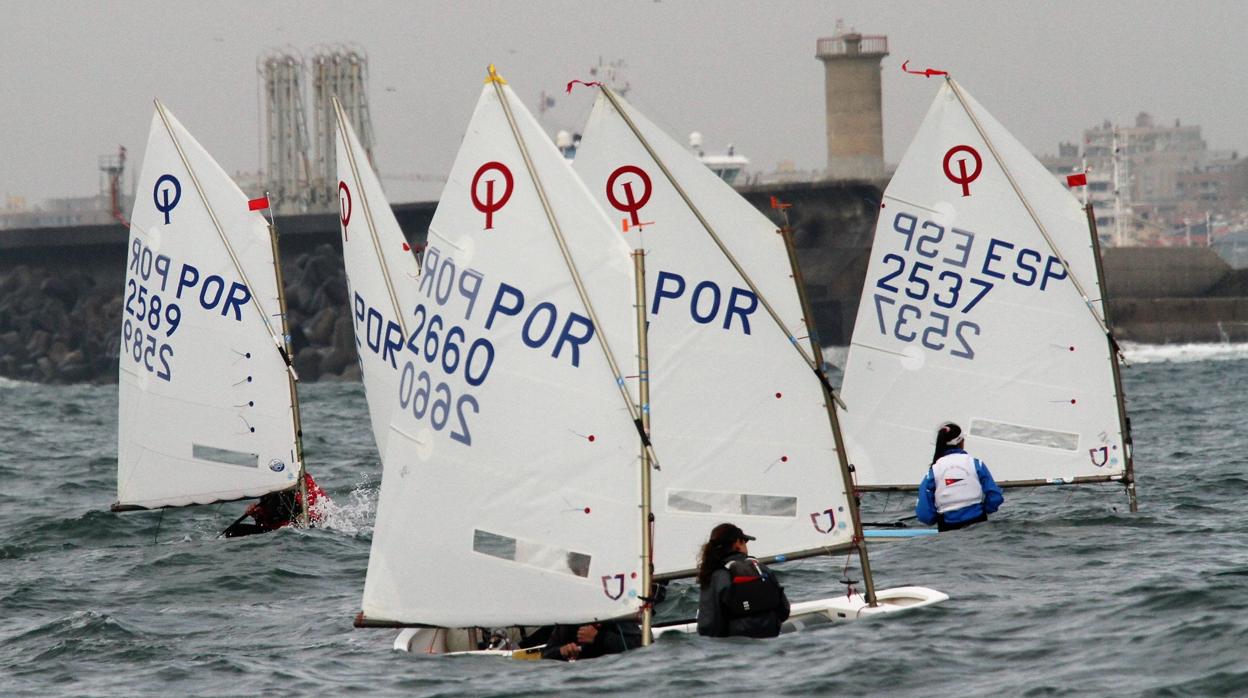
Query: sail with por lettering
(382,276)
(982,306)
(736,413)
(206,409)
(511,489)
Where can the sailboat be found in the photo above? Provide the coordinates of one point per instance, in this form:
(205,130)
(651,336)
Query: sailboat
(209,410)
(382,274)
(740,407)
(984,304)
(515,458)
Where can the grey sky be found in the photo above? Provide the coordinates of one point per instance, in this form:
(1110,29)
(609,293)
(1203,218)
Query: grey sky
(79,77)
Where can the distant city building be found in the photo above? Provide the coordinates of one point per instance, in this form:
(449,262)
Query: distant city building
(1150,184)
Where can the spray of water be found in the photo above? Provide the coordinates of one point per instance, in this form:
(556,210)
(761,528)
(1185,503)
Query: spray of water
(353,514)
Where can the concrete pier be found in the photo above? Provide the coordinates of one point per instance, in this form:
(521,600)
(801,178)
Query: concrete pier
(61,288)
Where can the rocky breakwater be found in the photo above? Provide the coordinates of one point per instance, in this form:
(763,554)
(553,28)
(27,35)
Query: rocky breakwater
(62,324)
(57,326)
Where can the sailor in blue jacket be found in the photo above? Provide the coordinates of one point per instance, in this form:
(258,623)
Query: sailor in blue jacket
(958,490)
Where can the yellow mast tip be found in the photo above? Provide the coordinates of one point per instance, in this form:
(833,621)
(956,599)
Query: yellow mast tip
(494,76)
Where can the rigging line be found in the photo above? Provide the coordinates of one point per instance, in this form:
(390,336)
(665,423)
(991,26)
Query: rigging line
(810,362)
(567,258)
(1035,218)
(160,109)
(368,215)
(159,521)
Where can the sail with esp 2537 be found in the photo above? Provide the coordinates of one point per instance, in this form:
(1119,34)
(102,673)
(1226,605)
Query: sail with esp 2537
(510,492)
(206,404)
(983,305)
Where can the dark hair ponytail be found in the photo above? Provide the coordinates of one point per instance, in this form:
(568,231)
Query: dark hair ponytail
(948,438)
(715,550)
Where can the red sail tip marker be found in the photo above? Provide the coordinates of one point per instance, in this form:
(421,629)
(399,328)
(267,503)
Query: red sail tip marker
(591,438)
(582,82)
(930,72)
(407,247)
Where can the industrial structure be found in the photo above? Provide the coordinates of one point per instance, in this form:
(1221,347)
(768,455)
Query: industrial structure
(853,103)
(300,172)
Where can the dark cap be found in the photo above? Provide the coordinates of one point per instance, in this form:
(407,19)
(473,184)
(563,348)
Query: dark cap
(728,534)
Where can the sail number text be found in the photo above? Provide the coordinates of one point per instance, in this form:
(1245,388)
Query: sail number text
(155,295)
(935,264)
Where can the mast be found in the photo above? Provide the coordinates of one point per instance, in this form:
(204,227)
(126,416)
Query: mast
(292,378)
(1103,319)
(1031,212)
(238,267)
(368,217)
(498,82)
(816,367)
(282,344)
(786,232)
(1124,422)
(643,397)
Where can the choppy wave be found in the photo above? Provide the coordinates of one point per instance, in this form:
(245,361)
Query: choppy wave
(1063,592)
(1184,353)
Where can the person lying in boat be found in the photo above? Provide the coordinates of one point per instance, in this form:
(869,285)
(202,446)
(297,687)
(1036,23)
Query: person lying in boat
(740,596)
(278,509)
(958,489)
(568,642)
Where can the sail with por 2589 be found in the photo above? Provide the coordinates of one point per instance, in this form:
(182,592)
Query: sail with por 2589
(205,411)
(982,306)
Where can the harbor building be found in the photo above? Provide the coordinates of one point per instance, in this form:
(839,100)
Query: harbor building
(853,103)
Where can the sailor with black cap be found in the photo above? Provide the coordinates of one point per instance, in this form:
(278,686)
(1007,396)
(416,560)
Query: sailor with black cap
(958,490)
(740,596)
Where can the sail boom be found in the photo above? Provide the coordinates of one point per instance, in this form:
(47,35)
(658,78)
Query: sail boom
(1006,484)
(768,560)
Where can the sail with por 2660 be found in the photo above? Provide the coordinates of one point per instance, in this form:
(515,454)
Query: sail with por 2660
(512,454)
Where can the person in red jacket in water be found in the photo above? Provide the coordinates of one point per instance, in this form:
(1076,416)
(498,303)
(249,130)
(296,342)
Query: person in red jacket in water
(278,509)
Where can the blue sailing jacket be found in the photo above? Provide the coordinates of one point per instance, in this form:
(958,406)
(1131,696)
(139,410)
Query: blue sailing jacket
(925,508)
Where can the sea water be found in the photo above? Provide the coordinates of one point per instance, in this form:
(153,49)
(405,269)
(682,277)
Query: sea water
(1064,591)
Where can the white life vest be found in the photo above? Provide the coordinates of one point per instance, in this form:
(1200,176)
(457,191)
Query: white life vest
(957,483)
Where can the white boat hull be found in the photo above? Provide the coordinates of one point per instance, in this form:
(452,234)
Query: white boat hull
(841,609)
(802,615)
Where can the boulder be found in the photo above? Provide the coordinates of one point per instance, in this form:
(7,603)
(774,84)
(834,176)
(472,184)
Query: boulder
(308,364)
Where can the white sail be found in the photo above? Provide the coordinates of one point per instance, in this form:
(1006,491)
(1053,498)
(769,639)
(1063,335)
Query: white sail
(510,492)
(205,406)
(382,277)
(736,413)
(970,315)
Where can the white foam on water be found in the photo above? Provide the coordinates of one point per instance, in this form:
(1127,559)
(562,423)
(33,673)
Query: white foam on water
(353,515)
(1184,353)
(1136,353)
